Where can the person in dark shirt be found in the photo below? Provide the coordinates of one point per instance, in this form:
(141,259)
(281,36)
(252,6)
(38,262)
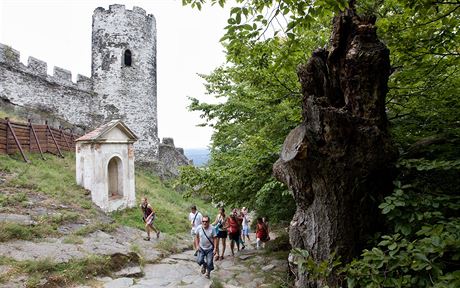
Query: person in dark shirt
(148,218)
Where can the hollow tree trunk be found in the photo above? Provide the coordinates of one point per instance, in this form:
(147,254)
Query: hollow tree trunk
(338,162)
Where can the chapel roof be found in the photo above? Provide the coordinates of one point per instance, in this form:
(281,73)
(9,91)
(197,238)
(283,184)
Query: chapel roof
(99,133)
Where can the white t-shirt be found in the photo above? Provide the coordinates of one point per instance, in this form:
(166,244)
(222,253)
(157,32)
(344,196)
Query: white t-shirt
(245,220)
(204,242)
(197,221)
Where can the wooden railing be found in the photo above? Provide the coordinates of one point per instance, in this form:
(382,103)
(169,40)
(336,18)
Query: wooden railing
(41,138)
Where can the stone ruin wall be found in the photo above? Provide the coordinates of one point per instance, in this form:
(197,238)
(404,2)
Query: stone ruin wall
(30,87)
(171,156)
(87,104)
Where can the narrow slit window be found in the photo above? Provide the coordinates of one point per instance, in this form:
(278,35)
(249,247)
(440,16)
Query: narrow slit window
(128,58)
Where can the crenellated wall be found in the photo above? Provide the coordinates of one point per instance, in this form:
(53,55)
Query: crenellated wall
(31,86)
(116,90)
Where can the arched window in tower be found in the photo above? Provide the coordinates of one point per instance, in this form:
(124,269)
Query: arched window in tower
(128,58)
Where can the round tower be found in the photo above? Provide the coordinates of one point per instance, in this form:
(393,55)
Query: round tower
(124,72)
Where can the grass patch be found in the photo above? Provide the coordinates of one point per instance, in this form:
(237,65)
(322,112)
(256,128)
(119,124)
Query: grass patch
(54,176)
(72,239)
(216,283)
(13,199)
(168,245)
(16,231)
(88,229)
(171,207)
(63,274)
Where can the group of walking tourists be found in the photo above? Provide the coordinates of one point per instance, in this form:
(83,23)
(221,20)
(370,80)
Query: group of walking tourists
(210,239)
(208,236)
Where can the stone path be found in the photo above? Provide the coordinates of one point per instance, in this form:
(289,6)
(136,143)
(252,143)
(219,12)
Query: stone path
(248,268)
(122,240)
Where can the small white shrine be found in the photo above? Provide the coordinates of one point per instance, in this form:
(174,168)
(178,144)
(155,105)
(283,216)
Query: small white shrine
(105,165)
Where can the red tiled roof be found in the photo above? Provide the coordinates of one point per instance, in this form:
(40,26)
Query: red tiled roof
(101,130)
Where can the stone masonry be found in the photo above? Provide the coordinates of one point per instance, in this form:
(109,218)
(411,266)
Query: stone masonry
(123,83)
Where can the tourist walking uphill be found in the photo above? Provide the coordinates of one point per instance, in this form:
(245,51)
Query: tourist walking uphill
(246,230)
(195,220)
(234,230)
(221,229)
(262,231)
(148,218)
(205,240)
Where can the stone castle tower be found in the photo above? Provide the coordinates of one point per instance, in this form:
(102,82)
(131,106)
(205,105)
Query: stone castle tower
(124,72)
(123,85)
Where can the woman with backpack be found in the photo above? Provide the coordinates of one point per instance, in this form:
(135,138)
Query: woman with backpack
(261,233)
(221,227)
(234,230)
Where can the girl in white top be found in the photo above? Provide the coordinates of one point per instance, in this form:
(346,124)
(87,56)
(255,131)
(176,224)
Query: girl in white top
(195,218)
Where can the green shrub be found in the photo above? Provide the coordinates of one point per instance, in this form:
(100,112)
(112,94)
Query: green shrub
(423,248)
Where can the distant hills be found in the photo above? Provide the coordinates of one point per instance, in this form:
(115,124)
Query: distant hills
(200,156)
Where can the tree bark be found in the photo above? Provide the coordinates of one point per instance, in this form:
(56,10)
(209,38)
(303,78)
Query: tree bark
(339,161)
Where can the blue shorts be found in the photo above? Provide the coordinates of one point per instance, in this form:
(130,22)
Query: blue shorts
(246,231)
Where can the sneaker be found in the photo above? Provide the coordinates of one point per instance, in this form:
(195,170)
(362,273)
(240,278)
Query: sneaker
(196,253)
(147,238)
(203,269)
(207,275)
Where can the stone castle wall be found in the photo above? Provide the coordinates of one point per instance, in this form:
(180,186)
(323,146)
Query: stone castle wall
(114,91)
(30,86)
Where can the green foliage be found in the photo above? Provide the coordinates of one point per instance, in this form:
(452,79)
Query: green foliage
(423,250)
(259,102)
(420,248)
(252,20)
(316,271)
(423,39)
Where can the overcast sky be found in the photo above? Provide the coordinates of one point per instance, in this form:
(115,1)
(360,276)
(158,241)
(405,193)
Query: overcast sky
(59,33)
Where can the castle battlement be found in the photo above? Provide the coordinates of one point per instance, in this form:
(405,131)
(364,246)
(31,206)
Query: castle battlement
(10,57)
(121,9)
(84,83)
(122,83)
(37,66)
(62,75)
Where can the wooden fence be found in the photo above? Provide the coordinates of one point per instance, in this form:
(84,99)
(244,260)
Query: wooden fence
(21,137)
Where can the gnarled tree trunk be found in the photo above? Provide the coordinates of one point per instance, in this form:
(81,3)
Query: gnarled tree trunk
(338,162)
